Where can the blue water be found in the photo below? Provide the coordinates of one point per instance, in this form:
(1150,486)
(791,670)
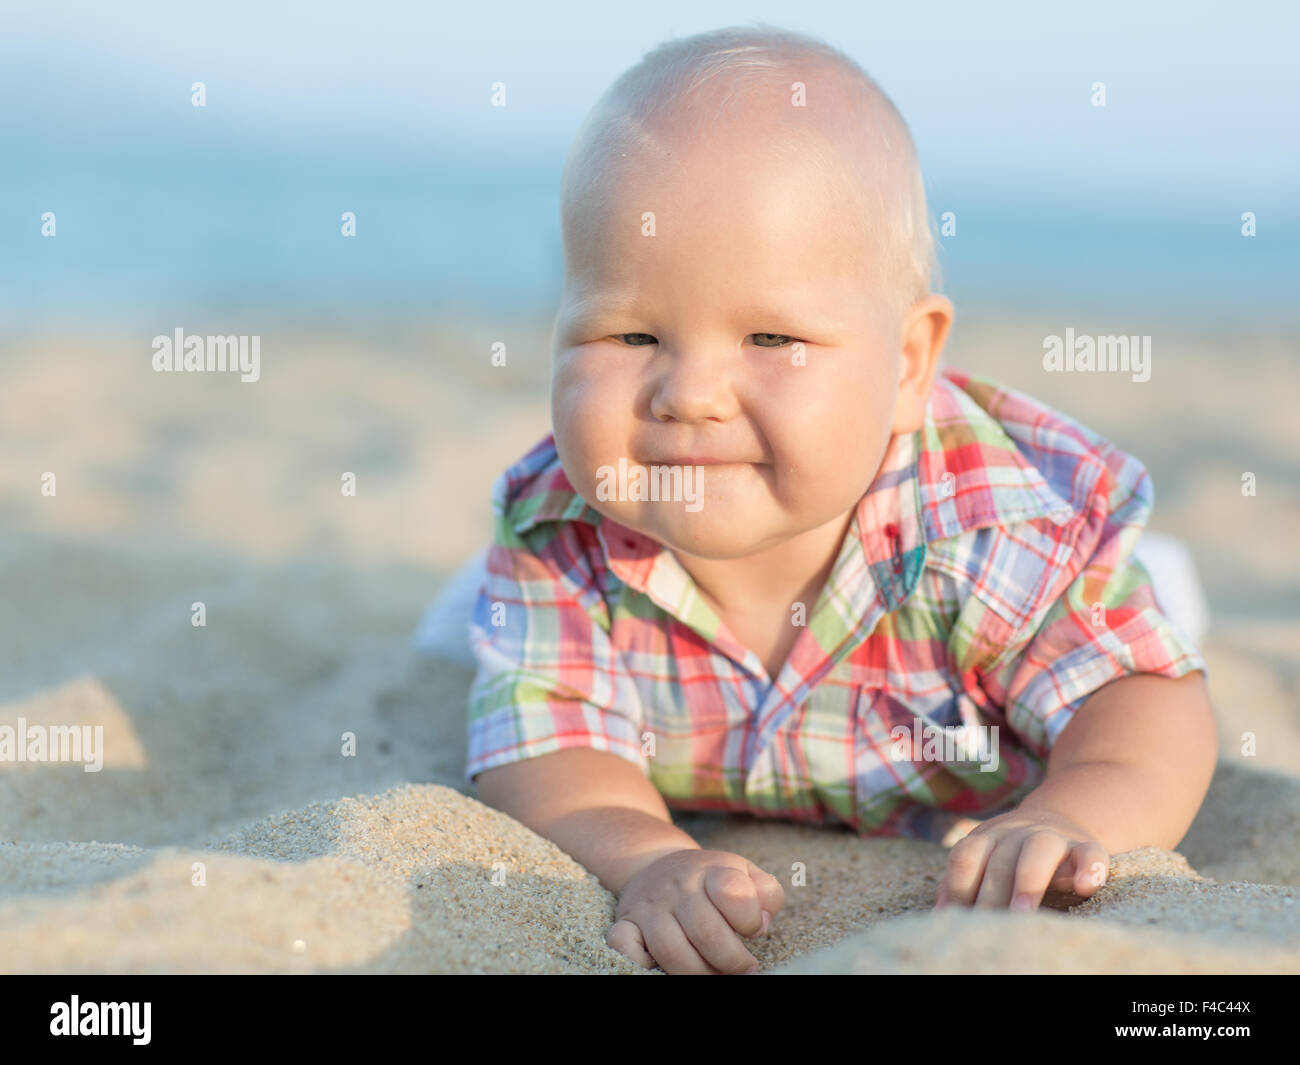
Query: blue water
(172,220)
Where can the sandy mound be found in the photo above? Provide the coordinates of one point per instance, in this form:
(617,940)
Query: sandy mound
(425,879)
(419,879)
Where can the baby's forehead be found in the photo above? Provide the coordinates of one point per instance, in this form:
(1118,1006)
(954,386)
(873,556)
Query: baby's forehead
(758,197)
(773,115)
(804,143)
(826,136)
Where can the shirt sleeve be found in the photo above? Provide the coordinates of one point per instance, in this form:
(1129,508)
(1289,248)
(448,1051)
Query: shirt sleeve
(548,676)
(1097,620)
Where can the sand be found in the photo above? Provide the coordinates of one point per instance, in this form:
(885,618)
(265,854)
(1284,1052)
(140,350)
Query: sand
(424,879)
(228,830)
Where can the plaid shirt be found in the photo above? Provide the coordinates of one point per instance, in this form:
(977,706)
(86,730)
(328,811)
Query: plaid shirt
(986,579)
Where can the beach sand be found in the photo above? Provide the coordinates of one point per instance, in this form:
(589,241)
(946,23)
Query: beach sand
(228,830)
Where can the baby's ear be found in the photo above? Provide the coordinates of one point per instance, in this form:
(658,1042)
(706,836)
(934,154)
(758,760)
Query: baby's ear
(924,329)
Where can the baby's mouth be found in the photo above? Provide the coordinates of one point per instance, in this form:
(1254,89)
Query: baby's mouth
(701,460)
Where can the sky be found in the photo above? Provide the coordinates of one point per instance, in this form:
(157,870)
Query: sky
(1206,93)
(1199,123)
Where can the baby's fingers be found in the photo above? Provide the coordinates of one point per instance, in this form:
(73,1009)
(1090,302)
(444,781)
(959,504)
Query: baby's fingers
(1041,855)
(671,947)
(735,896)
(771,896)
(626,938)
(966,863)
(714,939)
(1091,868)
(999,880)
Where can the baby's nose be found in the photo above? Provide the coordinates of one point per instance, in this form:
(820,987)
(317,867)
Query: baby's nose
(693,389)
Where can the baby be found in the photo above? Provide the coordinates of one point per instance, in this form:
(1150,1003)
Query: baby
(773,560)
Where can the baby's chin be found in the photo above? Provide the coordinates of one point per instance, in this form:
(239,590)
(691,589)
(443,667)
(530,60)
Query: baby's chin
(714,534)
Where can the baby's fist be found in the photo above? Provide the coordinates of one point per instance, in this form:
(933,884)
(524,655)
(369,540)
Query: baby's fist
(687,911)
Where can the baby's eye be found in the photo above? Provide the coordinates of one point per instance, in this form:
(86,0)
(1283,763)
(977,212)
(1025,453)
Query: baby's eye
(763,340)
(636,340)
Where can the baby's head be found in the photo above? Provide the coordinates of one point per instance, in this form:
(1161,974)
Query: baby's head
(748,264)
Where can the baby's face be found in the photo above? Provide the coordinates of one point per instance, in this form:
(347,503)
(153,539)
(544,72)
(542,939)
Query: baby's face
(744,336)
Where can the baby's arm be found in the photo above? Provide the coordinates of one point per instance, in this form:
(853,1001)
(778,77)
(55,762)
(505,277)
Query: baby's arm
(1135,763)
(679,906)
(593,805)
(1129,770)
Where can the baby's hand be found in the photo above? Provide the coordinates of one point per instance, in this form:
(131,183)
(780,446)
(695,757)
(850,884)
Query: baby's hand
(687,911)
(1013,859)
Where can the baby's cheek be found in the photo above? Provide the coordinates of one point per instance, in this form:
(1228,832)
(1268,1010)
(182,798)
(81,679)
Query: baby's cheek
(829,464)
(815,420)
(592,424)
